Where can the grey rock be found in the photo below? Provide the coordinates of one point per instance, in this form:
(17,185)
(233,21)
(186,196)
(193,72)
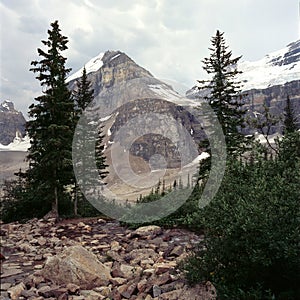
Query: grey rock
(145,231)
(5,286)
(156,291)
(78,266)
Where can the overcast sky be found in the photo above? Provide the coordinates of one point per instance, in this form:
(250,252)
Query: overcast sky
(167,37)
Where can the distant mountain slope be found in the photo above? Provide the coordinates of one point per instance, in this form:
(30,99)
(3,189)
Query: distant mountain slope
(12,123)
(268,81)
(276,68)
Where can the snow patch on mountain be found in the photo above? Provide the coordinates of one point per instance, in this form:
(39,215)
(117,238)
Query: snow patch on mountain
(276,68)
(5,105)
(8,106)
(271,70)
(115,56)
(92,65)
(168,94)
(105,118)
(197,160)
(18,144)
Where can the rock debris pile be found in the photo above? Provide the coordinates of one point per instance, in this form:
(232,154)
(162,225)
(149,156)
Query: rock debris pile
(95,259)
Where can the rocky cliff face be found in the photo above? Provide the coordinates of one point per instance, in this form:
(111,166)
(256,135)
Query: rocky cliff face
(12,123)
(125,91)
(275,98)
(292,56)
(117,81)
(153,126)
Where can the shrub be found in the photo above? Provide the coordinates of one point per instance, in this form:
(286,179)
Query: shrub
(252,227)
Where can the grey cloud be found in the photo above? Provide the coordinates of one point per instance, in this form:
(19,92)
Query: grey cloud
(16,5)
(170,38)
(32,24)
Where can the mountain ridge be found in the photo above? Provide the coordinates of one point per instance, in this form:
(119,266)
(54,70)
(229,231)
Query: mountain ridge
(276,68)
(12,123)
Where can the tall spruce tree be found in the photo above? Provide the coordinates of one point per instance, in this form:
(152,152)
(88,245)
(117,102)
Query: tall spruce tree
(100,158)
(290,120)
(225,95)
(83,94)
(88,143)
(51,126)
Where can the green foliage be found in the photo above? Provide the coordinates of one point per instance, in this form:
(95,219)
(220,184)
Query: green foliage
(163,204)
(187,215)
(225,97)
(289,148)
(290,120)
(88,143)
(16,205)
(86,209)
(251,250)
(83,94)
(51,128)
(100,158)
(49,183)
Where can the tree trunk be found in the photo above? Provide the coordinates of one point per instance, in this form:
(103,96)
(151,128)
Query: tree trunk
(76,200)
(55,202)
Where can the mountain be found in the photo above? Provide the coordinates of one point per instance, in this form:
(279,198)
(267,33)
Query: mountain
(135,109)
(13,146)
(143,118)
(19,143)
(117,79)
(123,90)
(276,68)
(12,123)
(268,81)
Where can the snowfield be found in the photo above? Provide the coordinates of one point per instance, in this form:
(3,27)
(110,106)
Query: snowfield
(264,73)
(18,144)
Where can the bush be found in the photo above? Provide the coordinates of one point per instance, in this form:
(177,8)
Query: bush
(17,205)
(251,250)
(186,216)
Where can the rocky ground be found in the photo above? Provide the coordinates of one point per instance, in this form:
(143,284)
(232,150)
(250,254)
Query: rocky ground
(95,259)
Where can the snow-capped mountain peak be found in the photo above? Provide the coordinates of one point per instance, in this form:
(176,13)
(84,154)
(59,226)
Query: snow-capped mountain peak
(6,106)
(276,68)
(92,65)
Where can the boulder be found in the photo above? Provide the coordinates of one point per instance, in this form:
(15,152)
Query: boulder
(137,255)
(148,231)
(78,266)
(16,291)
(198,292)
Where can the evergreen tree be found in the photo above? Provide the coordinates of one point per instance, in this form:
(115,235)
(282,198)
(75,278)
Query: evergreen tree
(264,124)
(100,158)
(290,121)
(88,150)
(82,95)
(225,95)
(51,126)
